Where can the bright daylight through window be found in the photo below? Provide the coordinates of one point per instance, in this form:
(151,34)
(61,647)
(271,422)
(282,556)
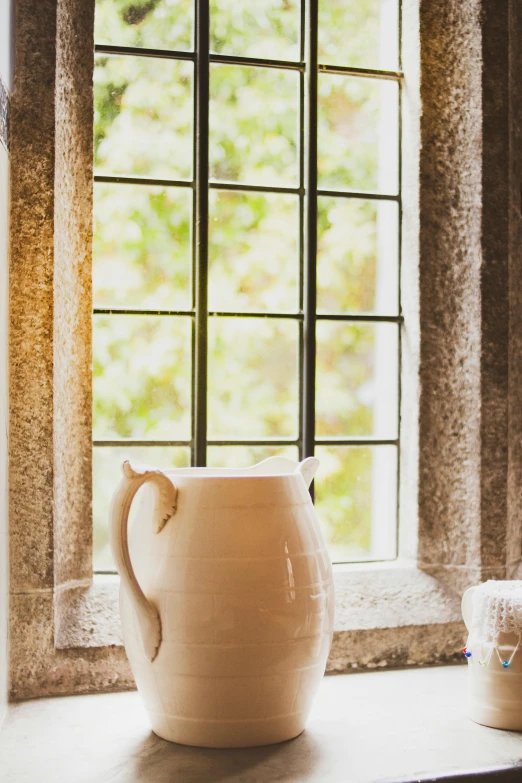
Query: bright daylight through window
(246,248)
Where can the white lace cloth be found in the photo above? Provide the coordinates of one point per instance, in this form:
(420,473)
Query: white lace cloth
(497,608)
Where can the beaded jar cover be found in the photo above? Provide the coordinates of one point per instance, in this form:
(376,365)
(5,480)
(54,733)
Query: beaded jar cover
(497,608)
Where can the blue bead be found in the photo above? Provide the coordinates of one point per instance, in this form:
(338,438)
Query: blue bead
(505,664)
(467,654)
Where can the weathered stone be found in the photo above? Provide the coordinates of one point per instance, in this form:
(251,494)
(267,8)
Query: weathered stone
(414,645)
(389,617)
(31,444)
(38,668)
(4,404)
(464,290)
(88,616)
(514,499)
(72,383)
(50,306)
(388,596)
(449,280)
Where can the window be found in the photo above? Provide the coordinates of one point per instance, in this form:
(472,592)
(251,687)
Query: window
(461,432)
(246,248)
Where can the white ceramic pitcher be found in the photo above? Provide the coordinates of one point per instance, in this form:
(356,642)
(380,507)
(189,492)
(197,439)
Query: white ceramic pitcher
(226,599)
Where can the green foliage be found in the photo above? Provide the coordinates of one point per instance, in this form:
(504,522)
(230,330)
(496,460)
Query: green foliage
(143,245)
(346,261)
(153,24)
(252,378)
(253,125)
(141,377)
(253,247)
(351,141)
(343,496)
(345,363)
(255,28)
(143,117)
(355,33)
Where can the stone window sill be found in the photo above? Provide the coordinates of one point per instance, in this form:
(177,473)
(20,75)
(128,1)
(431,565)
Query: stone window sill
(380,727)
(387,615)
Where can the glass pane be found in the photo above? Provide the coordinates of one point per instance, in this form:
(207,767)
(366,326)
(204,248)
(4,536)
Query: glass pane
(152,24)
(358,134)
(361,35)
(356,500)
(253,251)
(143,117)
(106,467)
(253,125)
(246,456)
(255,28)
(357,379)
(252,378)
(358,256)
(142,247)
(142,377)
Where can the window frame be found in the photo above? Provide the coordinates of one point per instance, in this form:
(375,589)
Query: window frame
(307,192)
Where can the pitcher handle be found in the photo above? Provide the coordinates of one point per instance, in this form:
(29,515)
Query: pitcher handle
(164,507)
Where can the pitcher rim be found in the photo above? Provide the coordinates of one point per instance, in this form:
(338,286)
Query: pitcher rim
(270,468)
(231,473)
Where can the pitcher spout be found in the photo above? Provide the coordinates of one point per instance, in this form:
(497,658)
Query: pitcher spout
(308,468)
(281,466)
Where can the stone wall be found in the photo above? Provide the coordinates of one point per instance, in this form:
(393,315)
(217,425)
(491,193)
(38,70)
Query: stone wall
(6,51)
(469,292)
(50,307)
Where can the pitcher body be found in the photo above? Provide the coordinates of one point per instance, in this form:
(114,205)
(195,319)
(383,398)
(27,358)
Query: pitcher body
(236,569)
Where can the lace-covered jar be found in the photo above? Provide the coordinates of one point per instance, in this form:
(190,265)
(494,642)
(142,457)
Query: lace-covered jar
(493,615)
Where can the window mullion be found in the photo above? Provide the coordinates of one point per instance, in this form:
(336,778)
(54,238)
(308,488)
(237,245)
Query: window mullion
(310,230)
(201,131)
(302,27)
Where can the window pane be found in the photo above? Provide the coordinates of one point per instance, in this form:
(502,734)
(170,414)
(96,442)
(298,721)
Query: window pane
(253,251)
(358,256)
(357,379)
(156,24)
(252,378)
(358,129)
(142,377)
(255,28)
(356,500)
(253,125)
(106,476)
(143,117)
(246,456)
(142,247)
(361,35)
